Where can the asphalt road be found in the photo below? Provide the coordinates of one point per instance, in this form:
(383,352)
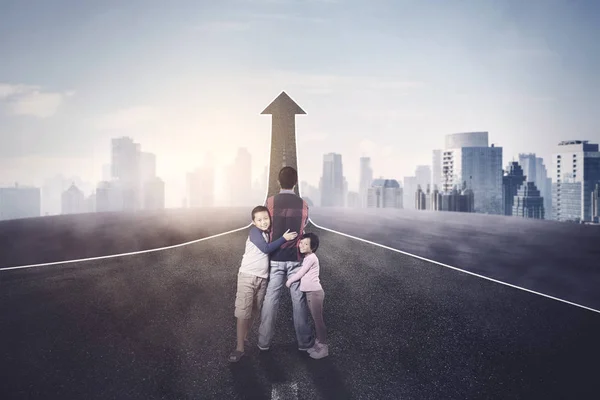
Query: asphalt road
(71,237)
(160,325)
(555,258)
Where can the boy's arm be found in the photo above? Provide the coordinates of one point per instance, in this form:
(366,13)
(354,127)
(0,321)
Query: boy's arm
(306,264)
(259,241)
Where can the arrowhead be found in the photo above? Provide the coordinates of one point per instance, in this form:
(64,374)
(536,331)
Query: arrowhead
(283,104)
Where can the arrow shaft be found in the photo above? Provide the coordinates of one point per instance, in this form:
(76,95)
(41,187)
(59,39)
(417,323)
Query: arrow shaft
(283,149)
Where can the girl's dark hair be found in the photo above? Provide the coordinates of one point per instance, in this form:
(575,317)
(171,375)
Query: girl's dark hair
(258,209)
(314,240)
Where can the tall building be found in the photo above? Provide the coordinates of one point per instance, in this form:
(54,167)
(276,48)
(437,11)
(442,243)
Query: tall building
(333,184)
(535,171)
(73,201)
(528,203)
(19,202)
(423,176)
(239,179)
(384,193)
(467,158)
(575,171)
(420,199)
(366,178)
(511,182)
(436,168)
(126,169)
(409,190)
(596,203)
(201,187)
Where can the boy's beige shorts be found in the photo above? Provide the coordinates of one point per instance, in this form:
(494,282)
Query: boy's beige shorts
(250,295)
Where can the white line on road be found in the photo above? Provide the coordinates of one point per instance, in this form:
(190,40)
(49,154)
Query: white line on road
(124,254)
(449,266)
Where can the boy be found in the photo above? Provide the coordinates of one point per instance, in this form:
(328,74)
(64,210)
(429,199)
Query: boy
(253,274)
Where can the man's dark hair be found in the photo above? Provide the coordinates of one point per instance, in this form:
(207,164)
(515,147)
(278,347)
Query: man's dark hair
(288,177)
(314,240)
(258,209)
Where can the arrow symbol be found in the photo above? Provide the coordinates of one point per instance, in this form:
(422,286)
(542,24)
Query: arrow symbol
(283,138)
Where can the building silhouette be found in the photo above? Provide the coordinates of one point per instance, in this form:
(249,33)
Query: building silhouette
(126,171)
(73,201)
(201,187)
(436,169)
(575,172)
(19,202)
(596,203)
(421,198)
(384,193)
(238,189)
(467,157)
(409,190)
(528,203)
(535,171)
(366,178)
(353,200)
(511,182)
(333,185)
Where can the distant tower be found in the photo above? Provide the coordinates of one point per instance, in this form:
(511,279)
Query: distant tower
(511,182)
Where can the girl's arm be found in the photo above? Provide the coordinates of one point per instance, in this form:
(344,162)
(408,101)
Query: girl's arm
(259,241)
(306,265)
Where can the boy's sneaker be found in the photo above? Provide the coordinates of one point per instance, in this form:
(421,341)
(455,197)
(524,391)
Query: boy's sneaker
(263,348)
(321,351)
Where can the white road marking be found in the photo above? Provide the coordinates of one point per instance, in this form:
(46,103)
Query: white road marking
(454,268)
(124,254)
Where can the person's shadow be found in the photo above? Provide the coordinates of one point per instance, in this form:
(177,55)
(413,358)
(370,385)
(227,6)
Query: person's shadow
(326,378)
(246,382)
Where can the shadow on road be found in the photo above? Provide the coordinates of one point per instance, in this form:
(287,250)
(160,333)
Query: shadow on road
(326,378)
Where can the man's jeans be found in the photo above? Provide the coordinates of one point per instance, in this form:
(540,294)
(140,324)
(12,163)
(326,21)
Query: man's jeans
(280,272)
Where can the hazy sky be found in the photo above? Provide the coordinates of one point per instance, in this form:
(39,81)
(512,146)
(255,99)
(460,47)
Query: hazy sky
(386,79)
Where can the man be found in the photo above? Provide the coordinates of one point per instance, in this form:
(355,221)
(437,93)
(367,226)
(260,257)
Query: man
(288,211)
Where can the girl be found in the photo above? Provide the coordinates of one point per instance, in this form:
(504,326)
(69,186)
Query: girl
(308,274)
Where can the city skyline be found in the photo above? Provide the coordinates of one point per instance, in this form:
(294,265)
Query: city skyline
(465,67)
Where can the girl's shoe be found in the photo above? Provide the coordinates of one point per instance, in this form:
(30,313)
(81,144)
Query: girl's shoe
(320,352)
(314,348)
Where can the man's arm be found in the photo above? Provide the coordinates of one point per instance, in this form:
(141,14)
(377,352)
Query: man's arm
(259,241)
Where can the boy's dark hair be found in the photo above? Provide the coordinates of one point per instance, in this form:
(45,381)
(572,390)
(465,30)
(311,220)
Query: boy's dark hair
(314,240)
(288,177)
(258,209)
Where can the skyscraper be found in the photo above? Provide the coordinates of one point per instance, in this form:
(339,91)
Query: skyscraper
(511,182)
(528,203)
(436,168)
(575,171)
(125,168)
(332,183)
(467,158)
(239,179)
(366,178)
(535,171)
